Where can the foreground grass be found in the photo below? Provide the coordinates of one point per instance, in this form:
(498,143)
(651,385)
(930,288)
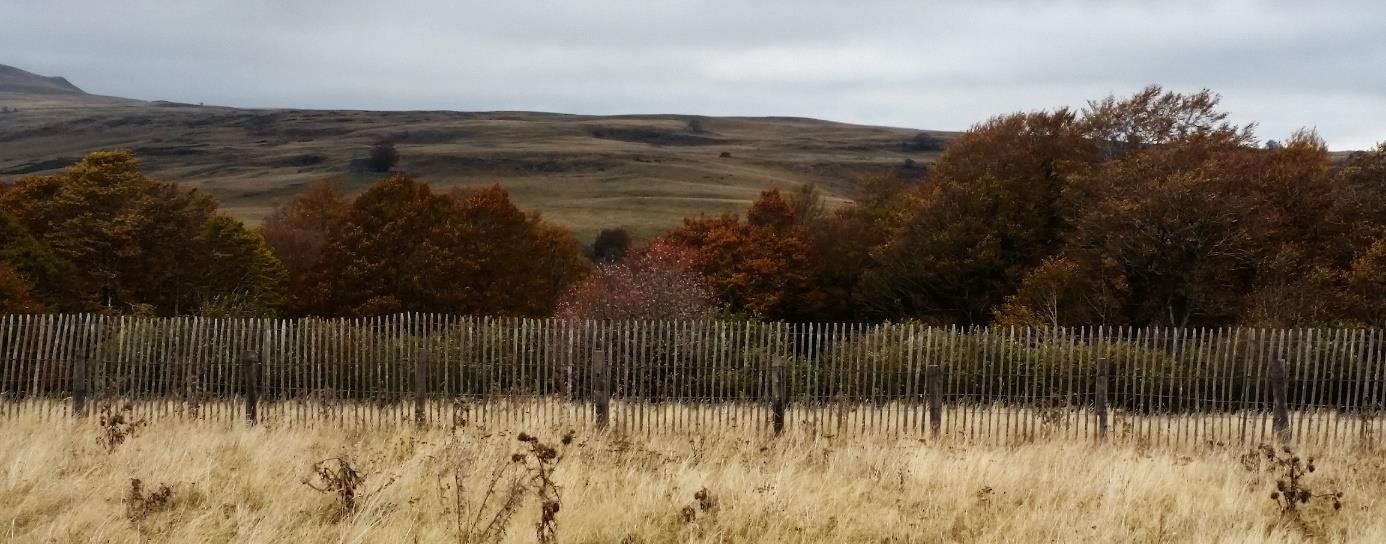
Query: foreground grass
(59,483)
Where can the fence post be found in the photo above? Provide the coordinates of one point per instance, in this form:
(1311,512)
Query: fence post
(1100,405)
(1279,397)
(79,386)
(779,392)
(934,375)
(420,384)
(250,371)
(601,388)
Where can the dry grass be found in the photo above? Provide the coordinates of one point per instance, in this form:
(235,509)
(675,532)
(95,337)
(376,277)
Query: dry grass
(229,483)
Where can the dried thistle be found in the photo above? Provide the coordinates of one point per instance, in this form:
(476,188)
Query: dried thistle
(338,477)
(117,426)
(1291,490)
(139,505)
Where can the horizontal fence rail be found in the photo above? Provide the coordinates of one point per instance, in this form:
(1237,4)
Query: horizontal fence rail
(994,384)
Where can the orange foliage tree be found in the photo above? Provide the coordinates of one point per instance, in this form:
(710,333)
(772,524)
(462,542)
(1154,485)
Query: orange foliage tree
(402,247)
(14,293)
(764,266)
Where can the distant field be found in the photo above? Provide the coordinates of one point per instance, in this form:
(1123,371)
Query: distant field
(643,172)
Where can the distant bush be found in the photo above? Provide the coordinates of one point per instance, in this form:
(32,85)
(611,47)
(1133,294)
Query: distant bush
(923,142)
(611,246)
(384,156)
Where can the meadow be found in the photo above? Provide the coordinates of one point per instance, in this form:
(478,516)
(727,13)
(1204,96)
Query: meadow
(115,477)
(641,172)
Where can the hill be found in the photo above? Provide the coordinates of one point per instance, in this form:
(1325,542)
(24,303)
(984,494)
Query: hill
(14,80)
(642,172)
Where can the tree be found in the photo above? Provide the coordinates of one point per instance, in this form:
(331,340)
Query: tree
(958,244)
(237,264)
(610,246)
(923,142)
(1175,227)
(521,265)
(1155,117)
(807,204)
(133,240)
(1364,173)
(384,156)
(396,249)
(403,247)
(764,266)
(656,282)
(15,295)
(297,231)
(1059,292)
(48,279)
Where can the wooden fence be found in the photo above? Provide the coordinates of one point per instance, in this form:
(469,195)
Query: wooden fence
(1229,385)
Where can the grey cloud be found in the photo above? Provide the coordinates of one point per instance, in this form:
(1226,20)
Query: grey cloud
(942,65)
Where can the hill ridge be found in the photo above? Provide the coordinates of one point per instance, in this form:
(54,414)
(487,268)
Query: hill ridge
(16,80)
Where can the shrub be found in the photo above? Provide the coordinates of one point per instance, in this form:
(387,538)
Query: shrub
(384,157)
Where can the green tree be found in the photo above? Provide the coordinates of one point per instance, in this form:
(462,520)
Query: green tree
(50,280)
(610,246)
(237,264)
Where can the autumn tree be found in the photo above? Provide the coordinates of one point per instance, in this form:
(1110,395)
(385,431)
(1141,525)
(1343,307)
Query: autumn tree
(1061,292)
(297,231)
(395,249)
(659,281)
(989,211)
(1154,225)
(558,264)
(132,239)
(403,247)
(1175,235)
(15,297)
(763,266)
(1364,174)
(1156,117)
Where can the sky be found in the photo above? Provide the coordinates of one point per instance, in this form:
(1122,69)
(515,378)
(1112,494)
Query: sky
(917,64)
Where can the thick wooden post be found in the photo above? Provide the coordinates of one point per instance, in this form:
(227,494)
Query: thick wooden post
(79,386)
(779,392)
(601,389)
(420,385)
(934,383)
(250,372)
(1280,389)
(1100,404)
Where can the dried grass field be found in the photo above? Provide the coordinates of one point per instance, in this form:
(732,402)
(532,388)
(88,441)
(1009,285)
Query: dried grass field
(63,480)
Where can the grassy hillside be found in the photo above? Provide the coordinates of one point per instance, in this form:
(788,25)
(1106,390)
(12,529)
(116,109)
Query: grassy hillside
(643,172)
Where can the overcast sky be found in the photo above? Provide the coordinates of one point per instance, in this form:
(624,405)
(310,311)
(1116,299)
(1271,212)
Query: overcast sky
(934,65)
